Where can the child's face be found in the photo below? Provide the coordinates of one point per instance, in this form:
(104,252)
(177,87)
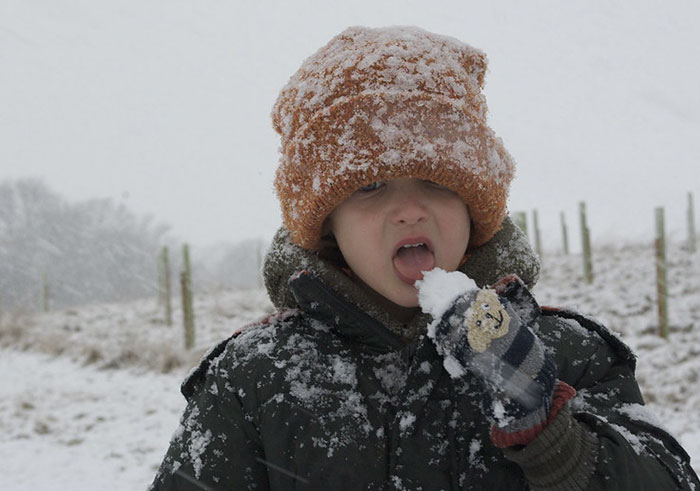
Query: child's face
(375,224)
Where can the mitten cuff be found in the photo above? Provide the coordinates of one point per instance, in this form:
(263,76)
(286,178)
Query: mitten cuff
(563,457)
(503,439)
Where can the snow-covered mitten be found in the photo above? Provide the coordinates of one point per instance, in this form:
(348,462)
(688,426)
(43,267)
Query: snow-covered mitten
(477,331)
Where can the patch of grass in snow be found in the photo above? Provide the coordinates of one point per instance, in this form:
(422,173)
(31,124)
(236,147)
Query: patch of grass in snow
(13,328)
(133,334)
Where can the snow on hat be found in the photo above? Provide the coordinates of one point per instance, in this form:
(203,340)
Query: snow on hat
(380,104)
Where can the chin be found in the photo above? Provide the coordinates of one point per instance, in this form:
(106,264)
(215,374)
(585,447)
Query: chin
(406,299)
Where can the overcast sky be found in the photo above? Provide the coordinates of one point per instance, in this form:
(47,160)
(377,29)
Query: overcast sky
(164,104)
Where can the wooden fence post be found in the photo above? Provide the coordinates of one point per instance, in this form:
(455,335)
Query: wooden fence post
(692,238)
(586,245)
(186,288)
(166,288)
(536,226)
(662,298)
(564,234)
(45,291)
(160,294)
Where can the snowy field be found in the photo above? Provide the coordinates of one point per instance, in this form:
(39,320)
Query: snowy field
(89,397)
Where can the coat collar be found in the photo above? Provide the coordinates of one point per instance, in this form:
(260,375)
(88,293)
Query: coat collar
(323,303)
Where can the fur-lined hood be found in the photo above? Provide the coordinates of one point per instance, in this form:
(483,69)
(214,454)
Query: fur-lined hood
(508,252)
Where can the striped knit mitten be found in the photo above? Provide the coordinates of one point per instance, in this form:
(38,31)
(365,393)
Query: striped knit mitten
(479,332)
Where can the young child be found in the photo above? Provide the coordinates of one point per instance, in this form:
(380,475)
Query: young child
(407,352)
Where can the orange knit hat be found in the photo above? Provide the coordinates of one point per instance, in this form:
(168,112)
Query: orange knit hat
(380,104)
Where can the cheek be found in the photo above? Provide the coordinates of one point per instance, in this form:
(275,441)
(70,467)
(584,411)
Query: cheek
(339,224)
(457,225)
(348,232)
(465,222)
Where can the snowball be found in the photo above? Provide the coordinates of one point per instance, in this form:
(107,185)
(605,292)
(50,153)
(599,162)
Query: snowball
(438,289)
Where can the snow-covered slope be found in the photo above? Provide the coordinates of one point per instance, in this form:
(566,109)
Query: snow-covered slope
(84,405)
(135,334)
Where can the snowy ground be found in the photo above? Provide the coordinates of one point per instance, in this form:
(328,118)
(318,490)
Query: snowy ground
(64,426)
(84,402)
(89,397)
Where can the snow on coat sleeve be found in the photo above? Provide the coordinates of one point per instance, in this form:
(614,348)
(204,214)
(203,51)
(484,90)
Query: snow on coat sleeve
(633,450)
(216,446)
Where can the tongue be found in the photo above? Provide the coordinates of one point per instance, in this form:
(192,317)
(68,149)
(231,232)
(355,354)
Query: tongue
(410,262)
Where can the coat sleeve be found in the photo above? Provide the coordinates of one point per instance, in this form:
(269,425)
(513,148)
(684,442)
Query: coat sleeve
(605,439)
(217,446)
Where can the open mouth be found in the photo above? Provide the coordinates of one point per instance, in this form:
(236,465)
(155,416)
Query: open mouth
(411,257)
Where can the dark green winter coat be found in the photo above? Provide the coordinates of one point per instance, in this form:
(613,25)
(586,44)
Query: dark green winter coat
(326,396)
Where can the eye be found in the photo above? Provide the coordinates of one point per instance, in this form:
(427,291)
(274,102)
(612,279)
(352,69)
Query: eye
(371,187)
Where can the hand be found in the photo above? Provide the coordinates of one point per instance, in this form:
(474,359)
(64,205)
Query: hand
(480,333)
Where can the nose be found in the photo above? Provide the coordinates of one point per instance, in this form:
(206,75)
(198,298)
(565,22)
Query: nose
(408,204)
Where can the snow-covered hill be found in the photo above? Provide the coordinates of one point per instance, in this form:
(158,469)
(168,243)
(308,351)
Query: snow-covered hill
(89,397)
